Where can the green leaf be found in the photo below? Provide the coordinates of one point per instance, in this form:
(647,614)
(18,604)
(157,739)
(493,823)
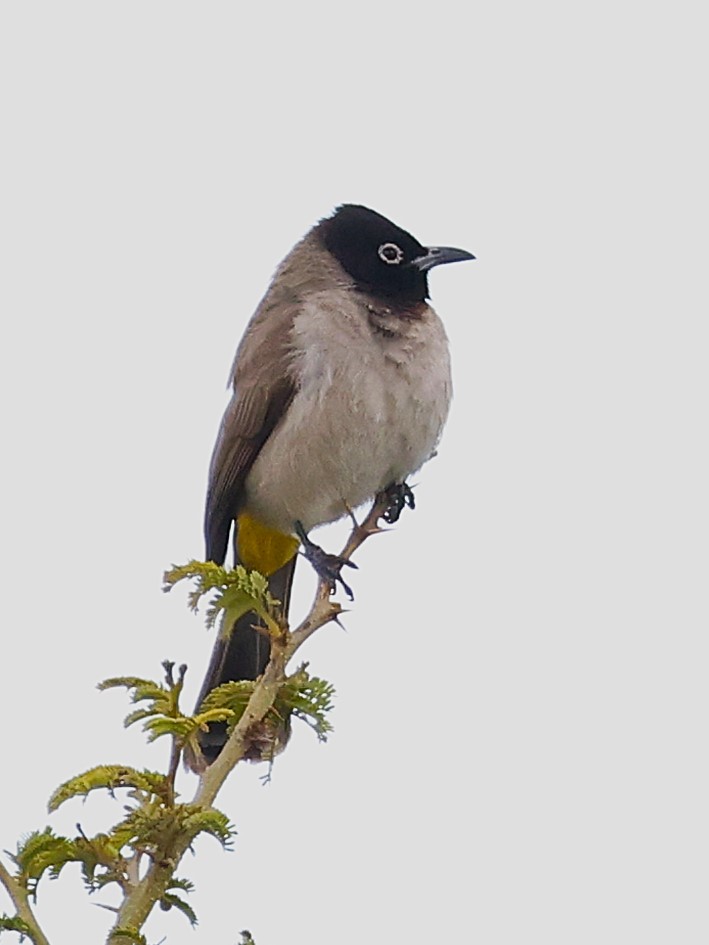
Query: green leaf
(203,718)
(109,777)
(163,701)
(137,716)
(177,882)
(212,821)
(302,695)
(127,682)
(145,826)
(41,851)
(235,592)
(162,716)
(308,698)
(12,923)
(233,696)
(127,935)
(178,728)
(171,901)
(233,603)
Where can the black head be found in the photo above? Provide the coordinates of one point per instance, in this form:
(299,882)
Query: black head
(380,256)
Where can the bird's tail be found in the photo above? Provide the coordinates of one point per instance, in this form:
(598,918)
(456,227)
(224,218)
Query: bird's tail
(244,655)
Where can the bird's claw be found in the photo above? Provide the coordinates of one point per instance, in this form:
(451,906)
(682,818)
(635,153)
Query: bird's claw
(399,496)
(328,567)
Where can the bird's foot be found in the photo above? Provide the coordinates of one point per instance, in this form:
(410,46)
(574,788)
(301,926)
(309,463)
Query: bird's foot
(327,567)
(399,495)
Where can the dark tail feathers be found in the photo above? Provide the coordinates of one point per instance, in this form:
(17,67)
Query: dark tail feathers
(243,656)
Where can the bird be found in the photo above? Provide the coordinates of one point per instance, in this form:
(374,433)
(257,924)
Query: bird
(341,387)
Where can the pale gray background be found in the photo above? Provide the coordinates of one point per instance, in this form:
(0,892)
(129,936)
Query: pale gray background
(520,742)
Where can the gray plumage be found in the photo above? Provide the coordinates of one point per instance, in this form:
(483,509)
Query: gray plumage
(340,389)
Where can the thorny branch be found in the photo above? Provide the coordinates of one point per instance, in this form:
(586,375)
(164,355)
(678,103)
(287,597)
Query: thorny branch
(139,902)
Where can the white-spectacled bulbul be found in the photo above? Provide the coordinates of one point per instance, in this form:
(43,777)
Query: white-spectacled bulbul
(341,387)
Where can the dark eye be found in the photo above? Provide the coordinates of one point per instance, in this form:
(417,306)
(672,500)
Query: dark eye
(390,253)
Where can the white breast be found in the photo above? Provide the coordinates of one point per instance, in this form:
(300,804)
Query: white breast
(369,411)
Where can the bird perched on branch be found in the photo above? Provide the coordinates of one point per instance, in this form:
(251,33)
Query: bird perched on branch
(341,387)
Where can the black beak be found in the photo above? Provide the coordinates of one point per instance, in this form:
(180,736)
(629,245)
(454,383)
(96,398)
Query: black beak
(437,255)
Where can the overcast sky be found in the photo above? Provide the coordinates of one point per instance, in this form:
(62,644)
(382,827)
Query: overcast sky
(519,751)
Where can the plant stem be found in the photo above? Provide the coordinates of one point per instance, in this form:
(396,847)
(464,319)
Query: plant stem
(139,902)
(20,900)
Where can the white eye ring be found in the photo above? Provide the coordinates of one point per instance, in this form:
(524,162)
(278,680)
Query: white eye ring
(390,253)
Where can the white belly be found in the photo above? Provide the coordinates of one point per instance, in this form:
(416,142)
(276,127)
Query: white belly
(368,413)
